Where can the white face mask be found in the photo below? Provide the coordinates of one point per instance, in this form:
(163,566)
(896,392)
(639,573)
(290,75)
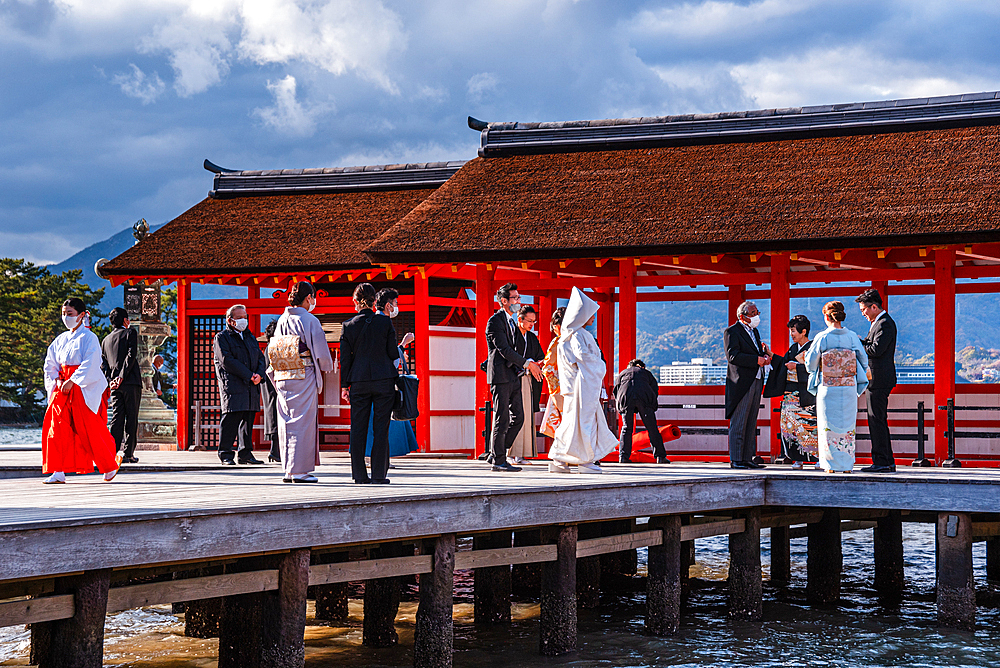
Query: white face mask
(392,310)
(755,321)
(312,305)
(71,321)
(241,324)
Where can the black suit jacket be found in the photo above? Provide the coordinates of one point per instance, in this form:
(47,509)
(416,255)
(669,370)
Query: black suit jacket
(371,356)
(120,356)
(880,344)
(777,379)
(237,359)
(636,388)
(506,350)
(741,353)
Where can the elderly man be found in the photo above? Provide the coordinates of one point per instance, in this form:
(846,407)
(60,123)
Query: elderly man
(747,356)
(880,344)
(239,368)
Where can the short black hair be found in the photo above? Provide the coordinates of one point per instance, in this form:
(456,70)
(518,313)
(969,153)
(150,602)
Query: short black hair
(869,297)
(557,318)
(638,363)
(525,310)
(118,316)
(800,323)
(384,296)
(504,290)
(76,304)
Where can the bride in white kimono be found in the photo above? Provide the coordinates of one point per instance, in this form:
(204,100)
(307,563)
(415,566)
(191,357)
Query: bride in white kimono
(583,436)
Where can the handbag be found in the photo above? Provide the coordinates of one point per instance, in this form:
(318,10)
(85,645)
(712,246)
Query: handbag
(405,404)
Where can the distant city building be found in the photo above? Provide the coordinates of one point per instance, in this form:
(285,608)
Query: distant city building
(700,371)
(923,373)
(991,375)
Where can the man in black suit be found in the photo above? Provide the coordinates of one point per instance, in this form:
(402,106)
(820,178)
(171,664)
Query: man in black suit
(504,367)
(120,364)
(637,393)
(239,369)
(880,344)
(747,356)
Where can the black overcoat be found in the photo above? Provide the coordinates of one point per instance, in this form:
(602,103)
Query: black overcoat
(237,359)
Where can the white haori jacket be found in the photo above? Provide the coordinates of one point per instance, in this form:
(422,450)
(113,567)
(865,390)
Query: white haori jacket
(77,348)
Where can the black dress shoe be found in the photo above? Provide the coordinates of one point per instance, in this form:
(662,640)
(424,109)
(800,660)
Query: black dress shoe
(274,458)
(755,465)
(662,460)
(740,465)
(383,481)
(505,468)
(624,460)
(878,469)
(228,462)
(363,482)
(250,460)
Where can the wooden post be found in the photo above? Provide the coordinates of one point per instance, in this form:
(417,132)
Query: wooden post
(183,367)
(626,312)
(663,584)
(781,556)
(956,589)
(737,295)
(433,637)
(993,561)
(491,585)
(484,309)
(944,345)
(267,628)
(422,311)
(381,604)
(825,559)
(546,306)
(889,558)
(526,579)
(557,621)
(745,587)
(331,599)
(77,642)
(201,617)
(588,569)
(780,298)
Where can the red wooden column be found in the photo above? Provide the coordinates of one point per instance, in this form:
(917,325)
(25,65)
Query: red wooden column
(546,306)
(626,312)
(606,332)
(183,366)
(779,335)
(883,289)
(422,317)
(484,309)
(737,293)
(944,345)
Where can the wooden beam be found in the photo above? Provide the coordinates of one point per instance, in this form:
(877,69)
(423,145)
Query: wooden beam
(719,528)
(504,556)
(191,589)
(350,571)
(608,544)
(34,610)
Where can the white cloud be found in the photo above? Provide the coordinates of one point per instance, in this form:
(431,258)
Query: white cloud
(479,85)
(287,115)
(137,84)
(710,19)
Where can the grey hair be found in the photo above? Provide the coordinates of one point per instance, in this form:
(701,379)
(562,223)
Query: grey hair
(232,309)
(742,309)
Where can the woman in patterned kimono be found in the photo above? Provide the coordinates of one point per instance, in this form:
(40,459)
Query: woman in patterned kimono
(75,434)
(789,380)
(837,366)
(298,357)
(553,407)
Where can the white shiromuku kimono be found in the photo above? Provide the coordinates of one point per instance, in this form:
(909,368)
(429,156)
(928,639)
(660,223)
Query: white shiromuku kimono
(582,436)
(80,349)
(298,398)
(837,365)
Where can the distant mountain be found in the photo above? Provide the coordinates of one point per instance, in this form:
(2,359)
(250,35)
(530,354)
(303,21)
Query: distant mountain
(88,257)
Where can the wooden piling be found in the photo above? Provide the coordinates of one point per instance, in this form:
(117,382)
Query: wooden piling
(993,561)
(781,556)
(491,585)
(745,585)
(825,559)
(381,604)
(76,642)
(956,589)
(526,579)
(557,621)
(888,540)
(433,639)
(588,569)
(201,617)
(331,599)
(267,628)
(663,584)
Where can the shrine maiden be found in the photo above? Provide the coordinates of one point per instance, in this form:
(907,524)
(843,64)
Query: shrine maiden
(75,436)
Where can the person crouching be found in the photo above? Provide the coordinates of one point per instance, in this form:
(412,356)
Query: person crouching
(638,393)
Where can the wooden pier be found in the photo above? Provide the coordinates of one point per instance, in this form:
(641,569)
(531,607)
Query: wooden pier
(239,547)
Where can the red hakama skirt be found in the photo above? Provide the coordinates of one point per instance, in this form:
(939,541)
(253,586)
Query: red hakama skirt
(74,439)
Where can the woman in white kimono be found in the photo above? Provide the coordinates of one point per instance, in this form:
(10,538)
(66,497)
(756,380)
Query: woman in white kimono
(298,357)
(75,434)
(583,436)
(838,367)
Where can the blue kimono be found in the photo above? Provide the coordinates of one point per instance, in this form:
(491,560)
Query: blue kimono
(838,366)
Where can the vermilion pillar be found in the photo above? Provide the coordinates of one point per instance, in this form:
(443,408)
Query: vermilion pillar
(484,309)
(546,305)
(779,334)
(606,332)
(183,367)
(737,293)
(944,345)
(626,312)
(422,317)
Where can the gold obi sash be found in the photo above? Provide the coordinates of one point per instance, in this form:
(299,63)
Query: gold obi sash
(840,368)
(283,353)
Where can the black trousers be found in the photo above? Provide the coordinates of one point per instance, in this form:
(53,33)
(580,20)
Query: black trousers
(368,396)
(877,402)
(123,405)
(508,416)
(648,415)
(743,425)
(236,425)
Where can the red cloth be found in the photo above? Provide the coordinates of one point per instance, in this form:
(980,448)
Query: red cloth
(642,452)
(74,440)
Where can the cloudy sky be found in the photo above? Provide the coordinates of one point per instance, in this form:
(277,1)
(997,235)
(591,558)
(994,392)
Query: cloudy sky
(108,107)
